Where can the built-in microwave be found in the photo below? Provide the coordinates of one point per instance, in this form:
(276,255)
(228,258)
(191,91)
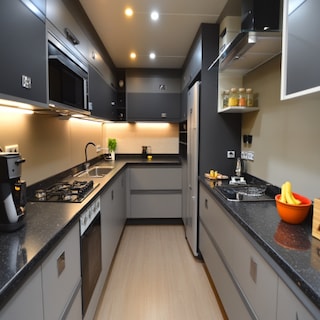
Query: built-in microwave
(68,78)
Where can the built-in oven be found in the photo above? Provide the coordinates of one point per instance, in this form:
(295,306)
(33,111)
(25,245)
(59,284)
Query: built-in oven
(90,244)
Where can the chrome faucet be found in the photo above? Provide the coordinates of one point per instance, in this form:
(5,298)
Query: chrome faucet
(87,164)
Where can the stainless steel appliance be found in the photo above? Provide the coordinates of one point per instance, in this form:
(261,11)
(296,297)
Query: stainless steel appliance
(75,191)
(12,192)
(68,78)
(90,242)
(191,217)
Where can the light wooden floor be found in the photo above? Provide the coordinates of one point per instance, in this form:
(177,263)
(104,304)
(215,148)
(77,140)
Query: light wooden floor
(155,277)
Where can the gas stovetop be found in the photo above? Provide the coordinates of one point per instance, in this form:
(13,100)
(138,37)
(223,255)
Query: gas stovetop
(75,191)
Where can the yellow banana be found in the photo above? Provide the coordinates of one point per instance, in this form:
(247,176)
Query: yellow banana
(283,193)
(289,196)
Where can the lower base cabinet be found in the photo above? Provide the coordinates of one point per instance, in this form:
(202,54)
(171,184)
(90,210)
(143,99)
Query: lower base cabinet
(27,302)
(53,291)
(155,192)
(247,284)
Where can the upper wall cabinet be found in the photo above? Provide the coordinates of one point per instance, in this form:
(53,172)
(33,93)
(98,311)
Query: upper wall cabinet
(301,48)
(153,95)
(23,53)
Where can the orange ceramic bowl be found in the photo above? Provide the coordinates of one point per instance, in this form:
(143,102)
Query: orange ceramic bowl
(293,214)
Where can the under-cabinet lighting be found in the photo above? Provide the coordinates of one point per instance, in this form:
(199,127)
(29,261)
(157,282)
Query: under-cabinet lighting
(155,125)
(154,15)
(6,109)
(128,12)
(152,55)
(133,55)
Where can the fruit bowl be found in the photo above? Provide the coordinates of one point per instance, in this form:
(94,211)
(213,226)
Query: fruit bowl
(291,213)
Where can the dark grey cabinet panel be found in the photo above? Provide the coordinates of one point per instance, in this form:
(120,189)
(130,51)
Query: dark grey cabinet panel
(102,96)
(23,52)
(153,106)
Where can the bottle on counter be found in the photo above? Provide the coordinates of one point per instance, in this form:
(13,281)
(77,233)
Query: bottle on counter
(233,98)
(225,98)
(242,102)
(249,95)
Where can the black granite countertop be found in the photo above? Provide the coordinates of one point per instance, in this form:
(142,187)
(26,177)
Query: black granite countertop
(291,247)
(23,251)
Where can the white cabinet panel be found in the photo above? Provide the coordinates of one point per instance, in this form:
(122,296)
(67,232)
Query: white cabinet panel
(256,278)
(289,307)
(27,302)
(61,274)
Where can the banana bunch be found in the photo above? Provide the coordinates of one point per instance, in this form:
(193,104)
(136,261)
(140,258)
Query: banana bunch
(287,196)
(214,174)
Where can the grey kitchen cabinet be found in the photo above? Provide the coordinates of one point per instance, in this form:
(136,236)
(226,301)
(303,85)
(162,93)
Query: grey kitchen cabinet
(23,54)
(102,97)
(113,218)
(27,302)
(256,278)
(61,277)
(244,279)
(289,307)
(153,95)
(216,238)
(155,192)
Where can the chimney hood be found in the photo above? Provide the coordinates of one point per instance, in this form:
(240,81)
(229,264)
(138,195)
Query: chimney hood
(249,50)
(258,41)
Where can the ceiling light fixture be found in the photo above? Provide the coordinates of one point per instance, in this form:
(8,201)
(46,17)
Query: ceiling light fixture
(128,12)
(154,15)
(133,55)
(152,55)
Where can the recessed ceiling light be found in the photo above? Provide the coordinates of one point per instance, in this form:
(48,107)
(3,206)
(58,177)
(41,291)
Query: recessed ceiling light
(133,55)
(128,12)
(152,55)
(154,15)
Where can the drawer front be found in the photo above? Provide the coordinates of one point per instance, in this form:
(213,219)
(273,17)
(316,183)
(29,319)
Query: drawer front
(156,206)
(61,274)
(256,278)
(227,291)
(220,227)
(155,178)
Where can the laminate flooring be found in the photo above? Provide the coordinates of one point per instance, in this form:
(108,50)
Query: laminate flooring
(155,277)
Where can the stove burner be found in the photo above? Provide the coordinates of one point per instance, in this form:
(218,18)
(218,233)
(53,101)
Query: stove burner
(65,192)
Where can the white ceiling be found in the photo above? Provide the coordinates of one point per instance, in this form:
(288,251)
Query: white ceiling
(170,37)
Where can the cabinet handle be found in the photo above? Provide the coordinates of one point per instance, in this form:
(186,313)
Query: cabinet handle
(206,203)
(61,263)
(297,316)
(253,270)
(112,195)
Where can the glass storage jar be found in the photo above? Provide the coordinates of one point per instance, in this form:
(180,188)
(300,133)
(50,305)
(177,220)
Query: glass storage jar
(225,98)
(242,97)
(249,94)
(233,98)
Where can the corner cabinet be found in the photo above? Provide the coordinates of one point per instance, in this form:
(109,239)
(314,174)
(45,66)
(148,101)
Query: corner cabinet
(155,192)
(153,95)
(23,53)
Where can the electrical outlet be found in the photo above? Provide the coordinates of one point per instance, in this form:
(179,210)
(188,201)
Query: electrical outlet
(244,155)
(250,155)
(12,148)
(231,154)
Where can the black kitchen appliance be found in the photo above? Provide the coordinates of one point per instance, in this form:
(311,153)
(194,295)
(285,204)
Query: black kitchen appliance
(12,192)
(75,191)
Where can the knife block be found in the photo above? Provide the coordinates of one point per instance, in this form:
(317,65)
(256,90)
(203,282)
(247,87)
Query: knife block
(316,219)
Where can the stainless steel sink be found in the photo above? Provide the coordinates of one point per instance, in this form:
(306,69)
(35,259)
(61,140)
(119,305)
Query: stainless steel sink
(95,172)
(245,192)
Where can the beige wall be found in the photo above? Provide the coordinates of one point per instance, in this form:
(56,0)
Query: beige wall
(51,145)
(285,133)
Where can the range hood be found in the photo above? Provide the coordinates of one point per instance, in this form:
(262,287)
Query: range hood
(249,50)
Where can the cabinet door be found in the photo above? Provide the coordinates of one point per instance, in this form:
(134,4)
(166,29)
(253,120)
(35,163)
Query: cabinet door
(102,97)
(113,216)
(223,282)
(153,95)
(61,275)
(289,307)
(27,302)
(256,278)
(23,52)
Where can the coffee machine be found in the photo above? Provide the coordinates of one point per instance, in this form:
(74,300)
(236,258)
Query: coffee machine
(13,196)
